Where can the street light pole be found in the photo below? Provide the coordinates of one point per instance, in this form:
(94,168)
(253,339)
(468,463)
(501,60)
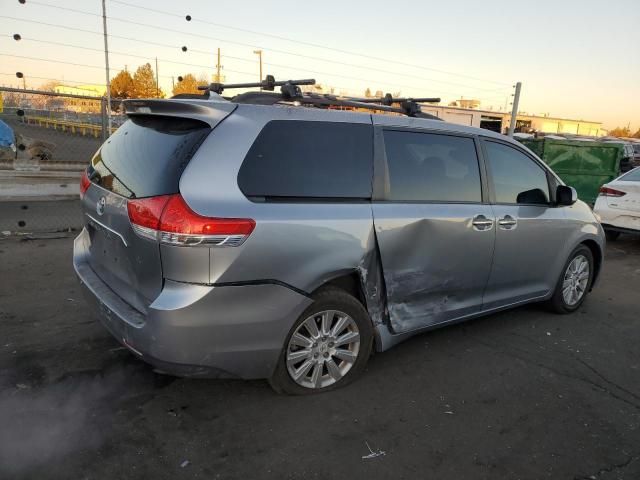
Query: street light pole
(259,53)
(106,66)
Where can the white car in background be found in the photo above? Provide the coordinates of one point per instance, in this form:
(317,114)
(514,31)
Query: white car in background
(618,205)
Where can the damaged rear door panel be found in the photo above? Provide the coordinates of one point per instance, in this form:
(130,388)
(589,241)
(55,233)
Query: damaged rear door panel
(435,231)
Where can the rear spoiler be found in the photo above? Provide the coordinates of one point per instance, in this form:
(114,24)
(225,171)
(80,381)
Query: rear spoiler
(210,112)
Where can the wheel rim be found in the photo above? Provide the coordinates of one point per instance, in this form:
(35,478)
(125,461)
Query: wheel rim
(323,349)
(575,280)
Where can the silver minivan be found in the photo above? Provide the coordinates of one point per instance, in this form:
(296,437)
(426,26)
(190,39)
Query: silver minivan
(229,238)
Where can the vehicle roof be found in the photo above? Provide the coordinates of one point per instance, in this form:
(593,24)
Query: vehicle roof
(415,122)
(215,103)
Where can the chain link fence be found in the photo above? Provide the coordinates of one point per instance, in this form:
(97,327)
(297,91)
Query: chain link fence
(46,140)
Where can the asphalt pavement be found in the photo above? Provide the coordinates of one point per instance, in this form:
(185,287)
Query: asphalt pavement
(524,394)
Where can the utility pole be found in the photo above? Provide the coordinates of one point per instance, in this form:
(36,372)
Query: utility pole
(106,65)
(259,53)
(514,110)
(157,86)
(218,67)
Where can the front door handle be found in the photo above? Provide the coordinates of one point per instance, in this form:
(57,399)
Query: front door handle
(507,222)
(482,223)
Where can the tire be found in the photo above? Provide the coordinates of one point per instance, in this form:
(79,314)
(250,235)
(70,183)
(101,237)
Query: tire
(611,235)
(559,302)
(311,354)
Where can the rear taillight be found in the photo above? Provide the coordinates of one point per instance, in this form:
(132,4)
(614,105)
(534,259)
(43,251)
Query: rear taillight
(611,192)
(168,219)
(85,183)
(145,213)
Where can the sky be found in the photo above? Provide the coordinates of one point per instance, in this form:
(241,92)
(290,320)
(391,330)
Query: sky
(575,59)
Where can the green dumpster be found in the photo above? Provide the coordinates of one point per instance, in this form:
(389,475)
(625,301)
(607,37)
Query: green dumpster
(583,165)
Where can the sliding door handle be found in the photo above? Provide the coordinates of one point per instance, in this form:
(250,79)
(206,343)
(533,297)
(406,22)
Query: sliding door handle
(507,222)
(482,223)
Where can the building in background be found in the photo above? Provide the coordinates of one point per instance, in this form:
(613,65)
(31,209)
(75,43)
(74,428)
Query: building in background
(466,103)
(499,121)
(80,104)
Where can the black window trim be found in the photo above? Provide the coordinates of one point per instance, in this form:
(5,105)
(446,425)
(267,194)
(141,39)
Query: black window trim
(549,177)
(381,166)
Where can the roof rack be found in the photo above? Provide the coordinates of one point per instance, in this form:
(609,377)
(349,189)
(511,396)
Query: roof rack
(389,100)
(268,84)
(408,106)
(290,91)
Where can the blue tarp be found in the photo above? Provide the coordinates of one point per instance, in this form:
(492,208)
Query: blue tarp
(7,137)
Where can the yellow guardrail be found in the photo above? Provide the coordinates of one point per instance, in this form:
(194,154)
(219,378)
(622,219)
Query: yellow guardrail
(69,126)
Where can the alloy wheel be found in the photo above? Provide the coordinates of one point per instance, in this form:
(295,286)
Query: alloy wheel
(576,279)
(322,349)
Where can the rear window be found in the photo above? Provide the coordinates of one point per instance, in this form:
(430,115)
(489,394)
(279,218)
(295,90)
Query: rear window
(147,155)
(632,176)
(305,160)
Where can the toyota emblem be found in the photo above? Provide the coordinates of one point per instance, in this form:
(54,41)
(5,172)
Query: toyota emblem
(100,205)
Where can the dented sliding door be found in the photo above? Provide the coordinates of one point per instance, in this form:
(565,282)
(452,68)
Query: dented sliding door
(435,234)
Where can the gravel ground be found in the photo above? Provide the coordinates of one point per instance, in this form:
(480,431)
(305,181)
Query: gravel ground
(524,394)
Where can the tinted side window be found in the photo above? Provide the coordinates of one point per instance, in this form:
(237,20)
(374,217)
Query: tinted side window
(432,167)
(309,159)
(516,177)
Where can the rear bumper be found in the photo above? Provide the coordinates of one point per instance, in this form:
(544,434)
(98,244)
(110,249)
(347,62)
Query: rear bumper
(616,228)
(199,330)
(617,218)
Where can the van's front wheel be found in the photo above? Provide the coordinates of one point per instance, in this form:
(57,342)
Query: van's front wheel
(575,281)
(327,347)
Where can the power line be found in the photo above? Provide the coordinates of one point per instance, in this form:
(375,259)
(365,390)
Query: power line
(121,53)
(78,82)
(101,67)
(131,22)
(117,19)
(286,67)
(226,56)
(301,42)
(366,81)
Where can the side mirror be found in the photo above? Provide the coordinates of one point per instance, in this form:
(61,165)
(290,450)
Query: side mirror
(566,196)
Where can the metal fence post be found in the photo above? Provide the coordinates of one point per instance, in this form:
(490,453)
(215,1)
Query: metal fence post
(104,120)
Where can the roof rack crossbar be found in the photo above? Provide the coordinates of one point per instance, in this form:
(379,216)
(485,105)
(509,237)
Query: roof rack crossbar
(291,92)
(411,109)
(407,107)
(334,101)
(388,99)
(268,84)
